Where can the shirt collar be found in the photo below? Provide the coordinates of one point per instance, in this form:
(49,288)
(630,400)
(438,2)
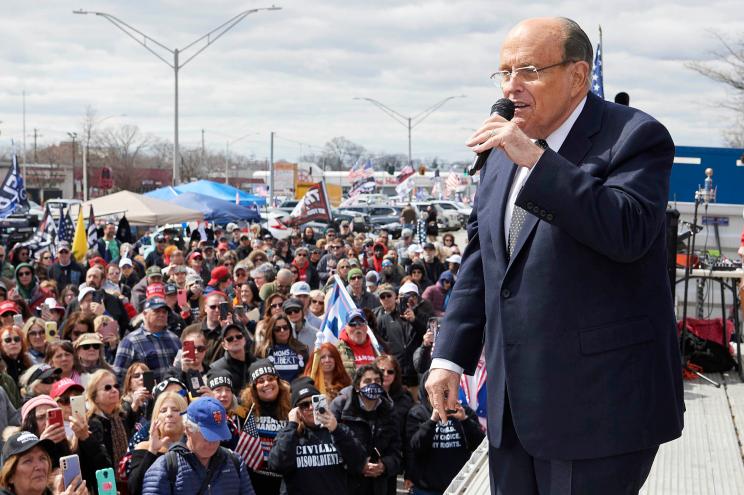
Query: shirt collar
(557,137)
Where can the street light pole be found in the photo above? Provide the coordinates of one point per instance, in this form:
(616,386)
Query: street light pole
(151,44)
(406,121)
(73,136)
(86,150)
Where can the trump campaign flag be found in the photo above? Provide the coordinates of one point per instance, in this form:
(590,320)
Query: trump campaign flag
(314,205)
(12,191)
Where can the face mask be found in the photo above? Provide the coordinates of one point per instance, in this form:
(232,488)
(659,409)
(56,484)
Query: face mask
(373,391)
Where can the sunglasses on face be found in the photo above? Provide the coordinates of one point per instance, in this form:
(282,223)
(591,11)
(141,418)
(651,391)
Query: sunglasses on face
(200,348)
(281,328)
(65,399)
(49,380)
(87,347)
(386,295)
(304,406)
(63,251)
(317,302)
(109,386)
(276,305)
(234,337)
(356,324)
(292,311)
(356,277)
(15,339)
(35,333)
(46,257)
(301,255)
(387,371)
(24,274)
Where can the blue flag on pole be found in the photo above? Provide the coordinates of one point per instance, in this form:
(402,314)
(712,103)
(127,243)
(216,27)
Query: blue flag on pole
(337,312)
(12,191)
(597,78)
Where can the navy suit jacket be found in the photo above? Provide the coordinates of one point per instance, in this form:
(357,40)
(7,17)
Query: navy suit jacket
(578,326)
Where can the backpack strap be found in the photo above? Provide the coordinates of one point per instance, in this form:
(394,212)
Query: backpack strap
(171,467)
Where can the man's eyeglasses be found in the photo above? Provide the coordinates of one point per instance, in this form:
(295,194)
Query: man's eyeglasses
(231,338)
(386,295)
(529,73)
(292,311)
(356,323)
(356,277)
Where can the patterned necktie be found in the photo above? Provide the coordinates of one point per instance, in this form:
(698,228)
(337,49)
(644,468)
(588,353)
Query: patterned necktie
(519,215)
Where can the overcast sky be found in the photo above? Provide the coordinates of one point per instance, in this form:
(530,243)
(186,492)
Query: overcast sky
(297,70)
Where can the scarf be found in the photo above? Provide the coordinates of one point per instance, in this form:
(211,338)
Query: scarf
(118,437)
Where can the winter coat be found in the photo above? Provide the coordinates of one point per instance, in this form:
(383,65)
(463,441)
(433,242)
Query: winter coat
(191,473)
(399,337)
(377,431)
(344,347)
(316,460)
(365,300)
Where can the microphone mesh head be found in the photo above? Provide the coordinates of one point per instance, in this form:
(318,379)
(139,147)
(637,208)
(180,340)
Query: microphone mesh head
(504,107)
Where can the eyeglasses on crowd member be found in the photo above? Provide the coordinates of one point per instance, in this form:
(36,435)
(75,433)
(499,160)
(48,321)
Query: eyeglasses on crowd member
(13,351)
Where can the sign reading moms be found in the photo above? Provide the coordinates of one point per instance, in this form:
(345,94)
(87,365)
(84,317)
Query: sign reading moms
(314,206)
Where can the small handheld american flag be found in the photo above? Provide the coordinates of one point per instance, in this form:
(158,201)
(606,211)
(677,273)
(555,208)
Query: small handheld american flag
(249,443)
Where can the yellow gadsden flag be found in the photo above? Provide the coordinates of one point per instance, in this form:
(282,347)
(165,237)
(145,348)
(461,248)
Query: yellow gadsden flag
(80,241)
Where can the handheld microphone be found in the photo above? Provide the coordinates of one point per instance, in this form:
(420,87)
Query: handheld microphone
(505,108)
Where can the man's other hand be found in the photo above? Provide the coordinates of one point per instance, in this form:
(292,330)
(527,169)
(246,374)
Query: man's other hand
(442,389)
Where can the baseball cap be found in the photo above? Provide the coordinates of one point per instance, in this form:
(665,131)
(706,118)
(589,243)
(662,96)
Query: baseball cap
(209,415)
(301,390)
(42,372)
(195,254)
(292,303)
(231,226)
(454,258)
(63,245)
(125,262)
(219,379)
(23,441)
(260,368)
(156,289)
(406,232)
(219,274)
(63,385)
(9,306)
(387,262)
(155,303)
(53,304)
(171,289)
(385,288)
(408,288)
(357,314)
(429,245)
(300,289)
(414,248)
(194,279)
(223,246)
(81,295)
(154,271)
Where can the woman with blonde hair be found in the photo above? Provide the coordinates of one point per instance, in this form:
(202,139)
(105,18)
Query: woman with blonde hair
(35,337)
(166,428)
(108,329)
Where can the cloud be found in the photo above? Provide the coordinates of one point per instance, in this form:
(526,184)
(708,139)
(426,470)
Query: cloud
(296,71)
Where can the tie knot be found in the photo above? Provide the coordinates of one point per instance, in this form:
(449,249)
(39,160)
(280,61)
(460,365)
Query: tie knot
(542,143)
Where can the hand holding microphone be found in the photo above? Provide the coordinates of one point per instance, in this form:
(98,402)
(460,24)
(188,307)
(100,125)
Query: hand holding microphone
(498,132)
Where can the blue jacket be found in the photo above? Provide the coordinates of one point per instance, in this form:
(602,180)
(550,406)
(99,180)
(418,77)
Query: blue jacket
(191,473)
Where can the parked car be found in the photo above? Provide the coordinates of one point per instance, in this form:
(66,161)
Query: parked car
(446,219)
(462,210)
(381,217)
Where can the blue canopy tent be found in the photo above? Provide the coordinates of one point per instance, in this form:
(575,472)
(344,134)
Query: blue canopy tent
(215,210)
(224,192)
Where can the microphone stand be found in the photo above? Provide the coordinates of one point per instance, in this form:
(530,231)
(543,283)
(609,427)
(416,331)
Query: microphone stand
(702,195)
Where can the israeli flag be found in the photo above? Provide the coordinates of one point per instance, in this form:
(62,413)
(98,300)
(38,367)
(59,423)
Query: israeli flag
(339,306)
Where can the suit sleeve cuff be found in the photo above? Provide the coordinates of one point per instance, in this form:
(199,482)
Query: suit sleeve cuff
(445,364)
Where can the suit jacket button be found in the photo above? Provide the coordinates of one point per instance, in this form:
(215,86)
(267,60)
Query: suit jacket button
(542,213)
(536,210)
(549,217)
(529,205)
(505,293)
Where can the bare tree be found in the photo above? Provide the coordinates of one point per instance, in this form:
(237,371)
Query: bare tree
(727,66)
(341,154)
(122,147)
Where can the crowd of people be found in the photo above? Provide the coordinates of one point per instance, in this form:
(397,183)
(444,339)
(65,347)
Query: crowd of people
(202,370)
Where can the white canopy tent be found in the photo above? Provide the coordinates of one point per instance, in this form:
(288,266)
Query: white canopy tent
(141,210)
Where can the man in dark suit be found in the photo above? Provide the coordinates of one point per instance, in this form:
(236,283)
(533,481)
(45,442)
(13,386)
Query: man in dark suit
(563,282)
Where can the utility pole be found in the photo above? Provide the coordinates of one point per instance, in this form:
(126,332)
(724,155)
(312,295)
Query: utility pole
(73,136)
(151,45)
(271,170)
(36,136)
(24,137)
(203,154)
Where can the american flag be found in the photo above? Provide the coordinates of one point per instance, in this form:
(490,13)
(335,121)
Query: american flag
(597,78)
(92,229)
(452,183)
(44,237)
(405,173)
(65,230)
(361,170)
(366,185)
(249,443)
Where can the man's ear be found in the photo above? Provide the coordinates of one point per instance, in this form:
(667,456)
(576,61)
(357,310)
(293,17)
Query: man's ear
(580,78)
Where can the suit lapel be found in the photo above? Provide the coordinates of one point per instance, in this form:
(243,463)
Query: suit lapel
(498,176)
(574,148)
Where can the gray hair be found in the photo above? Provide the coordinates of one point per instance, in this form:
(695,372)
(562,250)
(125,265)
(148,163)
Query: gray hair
(265,269)
(577,46)
(189,425)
